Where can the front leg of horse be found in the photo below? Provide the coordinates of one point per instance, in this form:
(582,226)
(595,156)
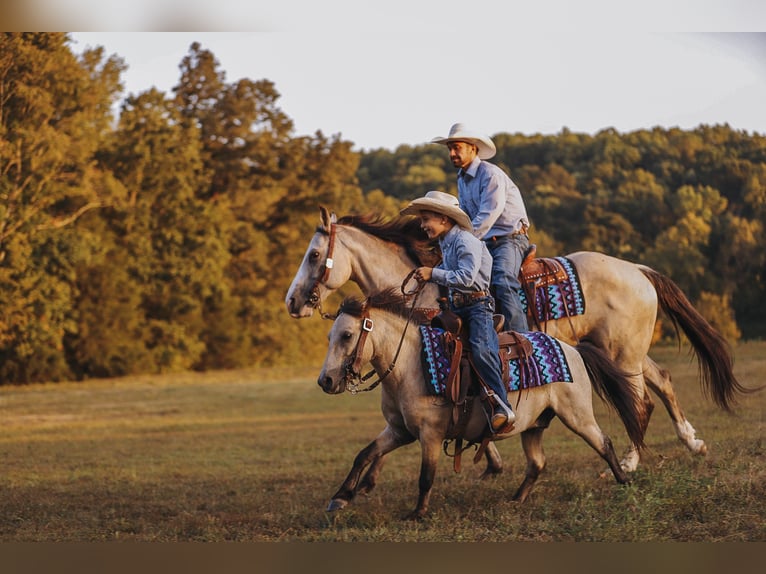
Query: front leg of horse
(532,443)
(494,462)
(430,449)
(370,479)
(371,454)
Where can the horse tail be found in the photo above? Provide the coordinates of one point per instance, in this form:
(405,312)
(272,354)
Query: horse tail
(613,386)
(713,352)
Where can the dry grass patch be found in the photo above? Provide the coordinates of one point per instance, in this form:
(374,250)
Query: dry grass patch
(254,455)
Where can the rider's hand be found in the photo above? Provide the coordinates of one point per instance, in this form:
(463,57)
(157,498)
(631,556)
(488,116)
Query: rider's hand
(423,273)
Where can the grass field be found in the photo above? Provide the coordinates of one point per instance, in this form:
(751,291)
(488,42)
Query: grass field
(255,455)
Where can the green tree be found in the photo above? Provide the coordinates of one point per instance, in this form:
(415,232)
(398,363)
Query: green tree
(175,243)
(54,112)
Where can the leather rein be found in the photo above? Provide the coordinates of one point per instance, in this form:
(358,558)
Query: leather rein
(352,378)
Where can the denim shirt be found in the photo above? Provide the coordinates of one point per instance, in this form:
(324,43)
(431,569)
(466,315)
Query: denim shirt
(466,263)
(491,200)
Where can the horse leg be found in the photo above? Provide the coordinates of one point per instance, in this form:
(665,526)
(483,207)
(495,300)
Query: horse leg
(658,379)
(630,459)
(430,450)
(532,443)
(385,442)
(370,479)
(494,462)
(583,423)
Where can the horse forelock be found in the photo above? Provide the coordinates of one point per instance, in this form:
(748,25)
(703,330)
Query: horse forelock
(404,231)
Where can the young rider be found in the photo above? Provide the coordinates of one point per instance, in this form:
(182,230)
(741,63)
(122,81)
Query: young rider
(465,269)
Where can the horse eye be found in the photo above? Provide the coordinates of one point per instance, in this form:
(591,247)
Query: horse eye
(314,255)
(346,336)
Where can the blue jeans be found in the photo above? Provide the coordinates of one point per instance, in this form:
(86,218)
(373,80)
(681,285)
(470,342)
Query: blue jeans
(482,338)
(507,254)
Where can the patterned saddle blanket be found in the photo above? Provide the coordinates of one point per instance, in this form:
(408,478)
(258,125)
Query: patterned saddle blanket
(552,285)
(545,363)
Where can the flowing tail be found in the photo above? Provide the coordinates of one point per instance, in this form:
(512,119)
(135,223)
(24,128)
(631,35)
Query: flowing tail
(613,386)
(713,352)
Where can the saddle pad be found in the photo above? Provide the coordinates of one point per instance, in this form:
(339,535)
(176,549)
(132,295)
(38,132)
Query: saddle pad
(547,363)
(557,300)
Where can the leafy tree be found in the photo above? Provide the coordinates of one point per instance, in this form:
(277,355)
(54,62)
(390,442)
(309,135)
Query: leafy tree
(174,241)
(54,111)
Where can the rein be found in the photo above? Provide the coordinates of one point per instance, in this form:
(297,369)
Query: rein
(314,297)
(352,378)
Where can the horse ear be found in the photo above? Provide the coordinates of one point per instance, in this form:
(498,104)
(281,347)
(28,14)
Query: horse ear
(326,217)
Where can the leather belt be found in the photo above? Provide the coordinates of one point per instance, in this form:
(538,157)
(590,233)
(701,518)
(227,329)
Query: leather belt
(494,238)
(460,299)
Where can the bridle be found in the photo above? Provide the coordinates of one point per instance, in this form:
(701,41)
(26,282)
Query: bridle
(352,378)
(314,298)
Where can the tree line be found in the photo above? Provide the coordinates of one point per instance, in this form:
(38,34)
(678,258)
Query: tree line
(165,238)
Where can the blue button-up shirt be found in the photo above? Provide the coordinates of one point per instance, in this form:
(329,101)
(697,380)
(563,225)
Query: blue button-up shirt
(466,263)
(491,200)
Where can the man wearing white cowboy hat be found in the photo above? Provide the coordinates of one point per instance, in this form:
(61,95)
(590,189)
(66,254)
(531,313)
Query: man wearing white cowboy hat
(497,212)
(465,269)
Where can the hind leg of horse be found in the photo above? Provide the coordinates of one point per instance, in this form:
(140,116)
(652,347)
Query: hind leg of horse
(658,379)
(373,453)
(532,443)
(630,459)
(580,420)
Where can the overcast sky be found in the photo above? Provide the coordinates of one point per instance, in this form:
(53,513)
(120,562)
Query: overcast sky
(401,72)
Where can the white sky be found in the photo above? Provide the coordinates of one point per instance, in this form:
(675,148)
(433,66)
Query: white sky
(402,72)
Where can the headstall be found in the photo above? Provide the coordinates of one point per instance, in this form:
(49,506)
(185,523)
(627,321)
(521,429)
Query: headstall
(314,297)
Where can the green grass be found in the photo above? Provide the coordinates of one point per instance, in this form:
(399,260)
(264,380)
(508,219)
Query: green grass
(255,455)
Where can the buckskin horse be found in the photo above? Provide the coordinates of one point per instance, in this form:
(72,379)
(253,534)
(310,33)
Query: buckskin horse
(375,331)
(622,300)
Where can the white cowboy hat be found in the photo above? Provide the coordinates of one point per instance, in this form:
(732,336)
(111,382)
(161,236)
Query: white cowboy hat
(459,133)
(442,203)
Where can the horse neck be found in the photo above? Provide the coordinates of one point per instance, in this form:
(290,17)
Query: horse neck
(407,375)
(377,264)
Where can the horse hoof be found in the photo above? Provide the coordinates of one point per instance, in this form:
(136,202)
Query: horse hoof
(336,504)
(701,448)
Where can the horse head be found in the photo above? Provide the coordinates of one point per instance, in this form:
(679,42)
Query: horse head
(346,352)
(348,348)
(321,271)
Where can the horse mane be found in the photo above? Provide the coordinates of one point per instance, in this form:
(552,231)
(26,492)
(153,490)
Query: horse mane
(391,300)
(402,230)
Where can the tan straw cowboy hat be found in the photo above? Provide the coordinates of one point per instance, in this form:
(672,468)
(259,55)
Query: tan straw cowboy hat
(459,133)
(442,203)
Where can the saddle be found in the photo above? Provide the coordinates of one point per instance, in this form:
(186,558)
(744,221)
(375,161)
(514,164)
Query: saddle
(464,383)
(535,273)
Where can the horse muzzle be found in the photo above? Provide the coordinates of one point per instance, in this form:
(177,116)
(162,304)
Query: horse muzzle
(298,310)
(331,386)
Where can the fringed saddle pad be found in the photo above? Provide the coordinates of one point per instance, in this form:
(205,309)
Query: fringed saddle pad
(558,299)
(547,363)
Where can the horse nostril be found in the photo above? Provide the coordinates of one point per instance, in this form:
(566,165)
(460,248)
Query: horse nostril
(324,382)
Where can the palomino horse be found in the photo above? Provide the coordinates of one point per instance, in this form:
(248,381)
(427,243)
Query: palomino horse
(622,300)
(375,331)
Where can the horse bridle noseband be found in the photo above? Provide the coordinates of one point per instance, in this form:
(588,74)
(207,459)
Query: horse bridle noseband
(314,298)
